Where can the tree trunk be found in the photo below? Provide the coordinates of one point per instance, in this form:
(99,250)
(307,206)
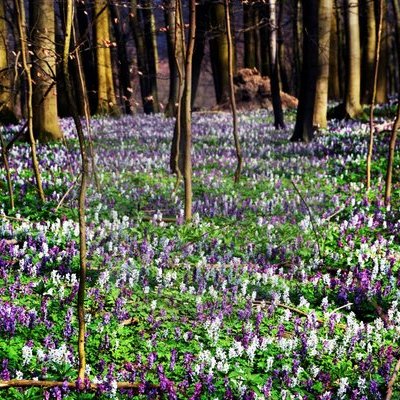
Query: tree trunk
(297,39)
(381,88)
(369,51)
(232,93)
(150,39)
(20,11)
(175,55)
(321,93)
(106,99)
(264,42)
(82,199)
(303,130)
(45,114)
(7,115)
(353,81)
(202,23)
(274,66)
(123,63)
(219,52)
(334,83)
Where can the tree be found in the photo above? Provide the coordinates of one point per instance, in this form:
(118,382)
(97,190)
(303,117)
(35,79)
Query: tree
(106,99)
(303,130)
(274,66)
(352,102)
(147,73)
(45,112)
(175,54)
(321,93)
(219,51)
(123,63)
(7,115)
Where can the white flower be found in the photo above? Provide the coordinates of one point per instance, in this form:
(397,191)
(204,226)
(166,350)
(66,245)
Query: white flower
(26,355)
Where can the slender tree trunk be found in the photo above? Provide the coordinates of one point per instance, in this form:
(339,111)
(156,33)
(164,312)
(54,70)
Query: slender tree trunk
(7,115)
(219,52)
(297,39)
(334,84)
(373,96)
(150,39)
(175,55)
(178,146)
(274,66)
(106,99)
(87,51)
(202,22)
(381,87)
(232,93)
(187,173)
(392,147)
(20,10)
(369,52)
(82,198)
(303,130)
(123,63)
(321,93)
(45,114)
(353,90)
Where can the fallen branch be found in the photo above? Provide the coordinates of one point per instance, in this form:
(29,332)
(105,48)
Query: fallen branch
(21,383)
(392,381)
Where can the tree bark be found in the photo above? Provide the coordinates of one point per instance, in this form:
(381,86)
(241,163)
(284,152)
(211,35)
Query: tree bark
(321,93)
(219,52)
(274,66)
(106,99)
(369,51)
(202,23)
(334,84)
(150,39)
(7,114)
(45,113)
(20,10)
(353,80)
(249,26)
(303,130)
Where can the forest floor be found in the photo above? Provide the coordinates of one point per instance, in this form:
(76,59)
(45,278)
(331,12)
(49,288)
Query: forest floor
(283,286)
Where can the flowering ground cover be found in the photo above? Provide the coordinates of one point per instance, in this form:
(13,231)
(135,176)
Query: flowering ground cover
(284,286)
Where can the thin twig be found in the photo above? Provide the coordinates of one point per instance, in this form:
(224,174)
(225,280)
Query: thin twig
(311,218)
(67,192)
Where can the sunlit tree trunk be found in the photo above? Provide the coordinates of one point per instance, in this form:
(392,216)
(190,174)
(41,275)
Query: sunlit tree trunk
(303,130)
(219,51)
(45,114)
(106,99)
(7,115)
(321,93)
(353,77)
(297,40)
